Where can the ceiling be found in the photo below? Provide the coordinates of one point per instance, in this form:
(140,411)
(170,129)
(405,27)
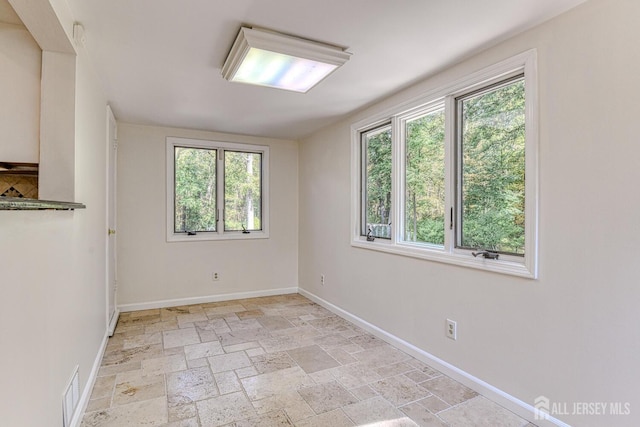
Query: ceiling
(160,60)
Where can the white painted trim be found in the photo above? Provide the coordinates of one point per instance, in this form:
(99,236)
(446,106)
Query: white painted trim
(205,299)
(526,266)
(111,327)
(220,233)
(498,396)
(88,387)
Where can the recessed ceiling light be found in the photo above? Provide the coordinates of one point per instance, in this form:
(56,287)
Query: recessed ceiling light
(267,58)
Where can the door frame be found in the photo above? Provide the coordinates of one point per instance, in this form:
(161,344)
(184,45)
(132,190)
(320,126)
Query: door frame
(112,144)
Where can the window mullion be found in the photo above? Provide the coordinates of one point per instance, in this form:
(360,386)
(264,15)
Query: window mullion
(449,175)
(397,180)
(220,191)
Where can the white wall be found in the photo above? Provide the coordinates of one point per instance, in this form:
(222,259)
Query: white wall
(20,64)
(573,334)
(150,269)
(53,279)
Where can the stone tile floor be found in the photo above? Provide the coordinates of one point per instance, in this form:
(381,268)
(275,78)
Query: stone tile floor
(272,361)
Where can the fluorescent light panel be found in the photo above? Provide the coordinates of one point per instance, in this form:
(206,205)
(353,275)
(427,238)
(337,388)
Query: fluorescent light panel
(271,59)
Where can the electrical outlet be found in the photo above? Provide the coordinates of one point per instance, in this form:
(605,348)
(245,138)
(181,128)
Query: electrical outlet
(322,279)
(215,276)
(451,329)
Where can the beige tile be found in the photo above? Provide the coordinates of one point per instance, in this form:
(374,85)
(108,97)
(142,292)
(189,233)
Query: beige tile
(163,365)
(367,341)
(222,310)
(103,387)
(380,356)
(132,355)
(98,404)
(267,385)
(299,410)
(331,324)
(150,413)
(260,350)
(273,323)
(331,341)
(207,349)
(227,382)
(191,422)
(197,363)
(335,418)
(376,410)
(191,318)
(224,409)
(270,362)
(283,343)
(252,352)
(393,370)
(327,397)
(313,358)
(173,312)
(190,386)
(229,362)
(417,376)
(182,412)
(142,340)
(135,386)
(421,416)
(124,367)
(481,412)
(354,375)
(449,390)
(248,371)
(341,356)
(243,336)
(165,325)
(236,324)
(180,337)
(363,392)
(250,314)
(399,390)
(271,419)
(434,404)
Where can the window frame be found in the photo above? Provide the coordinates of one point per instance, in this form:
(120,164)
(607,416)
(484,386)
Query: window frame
(522,266)
(220,147)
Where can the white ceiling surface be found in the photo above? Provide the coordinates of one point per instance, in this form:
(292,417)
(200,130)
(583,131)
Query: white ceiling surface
(160,60)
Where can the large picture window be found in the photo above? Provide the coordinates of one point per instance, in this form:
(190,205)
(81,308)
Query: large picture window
(216,190)
(457,170)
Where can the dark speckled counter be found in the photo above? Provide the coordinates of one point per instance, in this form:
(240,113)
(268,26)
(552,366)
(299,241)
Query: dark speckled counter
(22,204)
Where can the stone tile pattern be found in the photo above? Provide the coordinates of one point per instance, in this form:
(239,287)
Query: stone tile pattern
(271,361)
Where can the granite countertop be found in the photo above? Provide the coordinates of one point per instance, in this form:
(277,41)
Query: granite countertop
(20,203)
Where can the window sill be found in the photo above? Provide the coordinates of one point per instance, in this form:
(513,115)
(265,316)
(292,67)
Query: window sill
(213,236)
(440,255)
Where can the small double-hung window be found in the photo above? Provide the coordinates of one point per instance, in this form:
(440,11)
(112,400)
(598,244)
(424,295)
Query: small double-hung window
(216,190)
(453,176)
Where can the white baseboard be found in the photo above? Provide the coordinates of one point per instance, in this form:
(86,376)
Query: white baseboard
(204,299)
(500,397)
(88,387)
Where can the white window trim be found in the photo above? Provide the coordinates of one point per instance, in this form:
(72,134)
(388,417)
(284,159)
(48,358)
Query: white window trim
(219,234)
(526,266)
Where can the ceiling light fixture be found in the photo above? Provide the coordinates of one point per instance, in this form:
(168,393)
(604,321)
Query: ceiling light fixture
(266,58)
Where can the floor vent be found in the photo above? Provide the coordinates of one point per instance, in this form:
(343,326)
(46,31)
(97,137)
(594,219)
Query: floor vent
(70,398)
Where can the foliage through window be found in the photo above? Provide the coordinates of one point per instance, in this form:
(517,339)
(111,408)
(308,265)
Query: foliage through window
(458,171)
(491,137)
(376,155)
(216,190)
(424,178)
